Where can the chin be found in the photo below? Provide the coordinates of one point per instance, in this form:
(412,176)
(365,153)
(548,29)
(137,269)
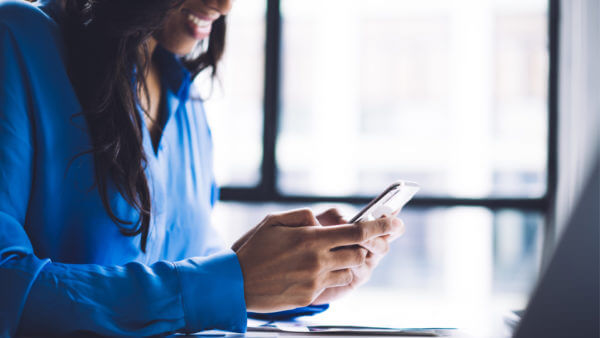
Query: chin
(178,47)
(182,50)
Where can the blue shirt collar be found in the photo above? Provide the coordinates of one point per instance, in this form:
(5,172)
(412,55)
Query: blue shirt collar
(174,74)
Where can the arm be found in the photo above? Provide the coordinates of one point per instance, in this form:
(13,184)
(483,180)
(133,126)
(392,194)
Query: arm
(186,296)
(45,297)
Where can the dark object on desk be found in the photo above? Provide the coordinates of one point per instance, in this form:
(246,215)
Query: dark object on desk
(513,318)
(565,302)
(290,314)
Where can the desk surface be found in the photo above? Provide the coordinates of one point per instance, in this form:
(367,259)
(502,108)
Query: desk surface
(289,335)
(472,314)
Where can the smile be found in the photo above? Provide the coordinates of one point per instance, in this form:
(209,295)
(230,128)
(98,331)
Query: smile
(199,25)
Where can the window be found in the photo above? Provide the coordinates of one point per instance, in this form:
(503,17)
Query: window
(240,76)
(358,94)
(448,94)
(348,96)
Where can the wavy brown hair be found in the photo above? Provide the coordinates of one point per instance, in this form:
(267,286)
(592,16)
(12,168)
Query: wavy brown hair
(107,46)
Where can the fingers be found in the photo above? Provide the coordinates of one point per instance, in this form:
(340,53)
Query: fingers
(362,274)
(378,245)
(340,282)
(293,218)
(349,234)
(331,217)
(288,261)
(346,257)
(398,224)
(242,240)
(336,278)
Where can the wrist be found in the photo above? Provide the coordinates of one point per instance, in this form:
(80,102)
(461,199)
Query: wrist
(212,290)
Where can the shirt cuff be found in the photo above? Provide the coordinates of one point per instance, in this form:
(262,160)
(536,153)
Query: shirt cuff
(212,289)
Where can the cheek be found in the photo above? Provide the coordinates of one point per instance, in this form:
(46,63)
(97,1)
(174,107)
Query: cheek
(174,37)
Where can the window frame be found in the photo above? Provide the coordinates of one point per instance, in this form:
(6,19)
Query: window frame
(266,190)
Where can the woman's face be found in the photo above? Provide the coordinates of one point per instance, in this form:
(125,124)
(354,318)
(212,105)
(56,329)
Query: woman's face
(190,23)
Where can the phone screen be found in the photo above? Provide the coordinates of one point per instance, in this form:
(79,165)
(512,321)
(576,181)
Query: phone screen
(390,201)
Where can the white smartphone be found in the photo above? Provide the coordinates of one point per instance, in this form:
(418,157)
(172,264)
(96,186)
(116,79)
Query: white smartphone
(389,202)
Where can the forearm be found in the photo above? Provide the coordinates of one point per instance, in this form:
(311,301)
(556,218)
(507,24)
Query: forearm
(186,296)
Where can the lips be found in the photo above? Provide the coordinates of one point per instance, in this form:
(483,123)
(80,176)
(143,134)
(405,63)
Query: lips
(197,21)
(199,24)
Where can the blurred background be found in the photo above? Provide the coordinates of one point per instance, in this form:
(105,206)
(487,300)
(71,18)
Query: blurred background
(451,94)
(325,103)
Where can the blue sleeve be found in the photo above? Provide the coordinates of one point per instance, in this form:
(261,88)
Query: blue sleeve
(39,296)
(187,296)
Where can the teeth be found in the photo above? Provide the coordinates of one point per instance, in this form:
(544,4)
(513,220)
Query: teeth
(198,22)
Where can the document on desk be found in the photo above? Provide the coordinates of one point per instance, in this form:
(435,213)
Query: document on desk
(298,327)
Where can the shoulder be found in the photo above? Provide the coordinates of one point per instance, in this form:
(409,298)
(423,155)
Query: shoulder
(32,58)
(27,23)
(32,37)
(20,15)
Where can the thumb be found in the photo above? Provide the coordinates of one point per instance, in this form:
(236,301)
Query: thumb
(294,218)
(331,217)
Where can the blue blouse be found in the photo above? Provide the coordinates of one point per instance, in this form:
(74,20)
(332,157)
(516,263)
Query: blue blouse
(64,265)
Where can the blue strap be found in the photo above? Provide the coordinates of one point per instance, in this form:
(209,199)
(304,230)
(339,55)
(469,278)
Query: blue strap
(290,314)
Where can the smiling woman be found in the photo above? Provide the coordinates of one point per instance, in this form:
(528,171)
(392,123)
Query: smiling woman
(106,183)
(102,54)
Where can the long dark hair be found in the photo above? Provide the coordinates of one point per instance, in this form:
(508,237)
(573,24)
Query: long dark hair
(107,55)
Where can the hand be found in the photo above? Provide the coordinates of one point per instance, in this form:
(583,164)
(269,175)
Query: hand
(377,248)
(287,260)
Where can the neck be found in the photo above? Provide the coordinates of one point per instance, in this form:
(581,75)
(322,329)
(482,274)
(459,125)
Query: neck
(152,43)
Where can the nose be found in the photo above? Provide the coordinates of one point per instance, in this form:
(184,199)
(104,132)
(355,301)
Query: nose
(221,6)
